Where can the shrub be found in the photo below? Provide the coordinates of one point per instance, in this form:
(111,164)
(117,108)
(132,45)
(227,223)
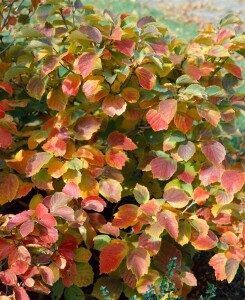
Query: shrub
(115,151)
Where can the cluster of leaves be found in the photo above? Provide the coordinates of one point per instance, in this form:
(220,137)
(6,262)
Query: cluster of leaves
(116,135)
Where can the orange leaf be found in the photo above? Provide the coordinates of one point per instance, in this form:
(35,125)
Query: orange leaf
(112,255)
(200,195)
(110,189)
(49,65)
(188,278)
(20,161)
(167,219)
(156,120)
(234,70)
(146,78)
(126,216)
(86,126)
(183,122)
(7,87)
(71,84)
(57,100)
(36,87)
(138,261)
(168,109)
(55,146)
(218,262)
(209,174)
(120,141)
(201,242)
(231,268)
(130,94)
(114,105)
(176,197)
(85,63)
(9,184)
(37,161)
(116,158)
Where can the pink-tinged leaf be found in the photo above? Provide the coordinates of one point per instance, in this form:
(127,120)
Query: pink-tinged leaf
(168,109)
(150,243)
(114,105)
(200,195)
(55,146)
(6,87)
(19,219)
(150,208)
(37,161)
(188,174)
(57,100)
(145,20)
(146,78)
(20,293)
(8,277)
(65,212)
(176,197)
(71,189)
(232,181)
(85,64)
(116,158)
(214,152)
(92,33)
(186,151)
(110,189)
(59,200)
(86,126)
(201,242)
(93,203)
(71,84)
(108,228)
(138,261)
(47,275)
(36,87)
(112,255)
(5,138)
(26,228)
(223,35)
(218,262)
(193,71)
(48,221)
(200,225)
(5,249)
(20,253)
(49,65)
(231,268)
(183,122)
(234,70)
(9,184)
(48,235)
(223,198)
(125,46)
(126,216)
(210,112)
(156,120)
(188,278)
(210,174)
(159,47)
(120,141)
(229,238)
(167,219)
(163,168)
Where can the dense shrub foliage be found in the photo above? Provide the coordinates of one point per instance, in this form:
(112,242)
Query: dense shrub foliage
(115,151)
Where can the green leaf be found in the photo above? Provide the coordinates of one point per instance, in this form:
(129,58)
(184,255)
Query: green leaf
(28,32)
(57,290)
(141,194)
(36,87)
(196,90)
(185,79)
(15,71)
(43,12)
(74,293)
(230,19)
(230,82)
(101,241)
(215,91)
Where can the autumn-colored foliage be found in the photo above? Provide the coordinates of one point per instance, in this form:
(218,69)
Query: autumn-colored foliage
(115,140)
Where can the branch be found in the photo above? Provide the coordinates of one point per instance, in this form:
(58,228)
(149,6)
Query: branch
(6,48)
(63,18)
(5,22)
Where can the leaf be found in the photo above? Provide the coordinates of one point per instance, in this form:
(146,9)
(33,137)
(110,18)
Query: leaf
(43,12)
(188,278)
(110,189)
(201,242)
(209,174)
(200,225)
(36,87)
(156,120)
(37,161)
(218,51)
(168,109)
(83,255)
(125,46)
(19,162)
(93,203)
(9,184)
(130,94)
(5,249)
(218,262)
(14,72)
(71,189)
(230,19)
(200,195)
(214,152)
(146,78)
(163,168)
(210,112)
(183,122)
(71,84)
(6,87)
(47,275)
(113,285)
(176,197)
(57,100)
(223,198)
(117,250)
(138,261)
(120,141)
(55,146)
(20,293)
(86,126)
(26,228)
(49,65)
(184,233)
(101,241)
(85,64)
(114,105)
(5,138)
(186,151)
(74,293)
(231,268)
(92,33)
(126,216)
(234,70)
(116,158)
(141,193)
(196,90)
(232,181)
(57,290)
(167,219)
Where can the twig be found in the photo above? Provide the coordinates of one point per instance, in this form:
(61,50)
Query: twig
(63,18)
(5,22)
(219,68)
(189,206)
(6,48)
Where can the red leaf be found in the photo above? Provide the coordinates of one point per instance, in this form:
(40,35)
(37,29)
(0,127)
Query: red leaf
(156,120)
(120,141)
(125,46)
(183,122)
(201,242)
(116,158)
(47,275)
(112,255)
(20,293)
(193,71)
(49,65)
(159,47)
(71,189)
(163,168)
(5,249)
(71,84)
(146,78)
(176,197)
(55,146)
(5,138)
(234,70)
(209,174)
(37,161)
(114,105)
(7,87)
(138,261)
(9,184)
(210,112)
(93,203)
(110,189)
(167,219)
(207,68)
(20,253)
(86,126)
(85,63)
(223,35)
(200,195)
(232,181)
(214,152)
(186,151)
(145,20)
(8,277)
(126,216)
(48,221)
